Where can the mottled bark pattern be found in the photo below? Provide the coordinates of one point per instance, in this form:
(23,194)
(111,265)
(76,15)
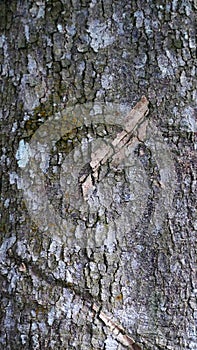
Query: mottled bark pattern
(55,54)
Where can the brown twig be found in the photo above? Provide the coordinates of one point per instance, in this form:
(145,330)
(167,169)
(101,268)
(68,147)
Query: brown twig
(118,331)
(134,121)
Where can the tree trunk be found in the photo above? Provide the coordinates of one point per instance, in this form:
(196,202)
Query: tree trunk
(98,222)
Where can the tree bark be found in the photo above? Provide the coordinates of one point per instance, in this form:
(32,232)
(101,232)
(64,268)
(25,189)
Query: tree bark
(98,218)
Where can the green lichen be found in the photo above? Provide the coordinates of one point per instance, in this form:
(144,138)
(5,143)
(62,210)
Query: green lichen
(178,43)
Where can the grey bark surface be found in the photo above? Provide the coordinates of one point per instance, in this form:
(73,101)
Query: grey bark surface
(126,254)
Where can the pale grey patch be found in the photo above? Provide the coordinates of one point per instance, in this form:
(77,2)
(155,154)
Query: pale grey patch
(188,121)
(139,15)
(164,66)
(32,65)
(110,343)
(27,32)
(7,243)
(2,40)
(14,127)
(13,178)
(22,154)
(7,203)
(100,34)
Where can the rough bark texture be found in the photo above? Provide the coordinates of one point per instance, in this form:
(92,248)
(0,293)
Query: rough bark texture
(130,247)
